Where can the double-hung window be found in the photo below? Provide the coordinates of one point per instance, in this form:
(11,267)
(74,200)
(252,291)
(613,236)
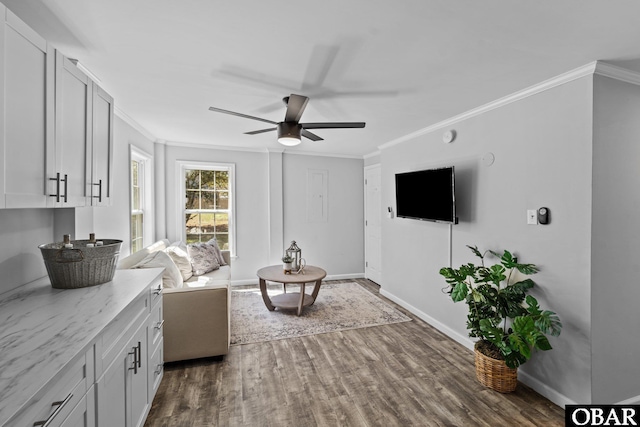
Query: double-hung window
(207,208)
(141,202)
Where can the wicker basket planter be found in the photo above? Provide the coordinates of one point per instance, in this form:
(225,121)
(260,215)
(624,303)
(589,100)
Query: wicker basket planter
(493,373)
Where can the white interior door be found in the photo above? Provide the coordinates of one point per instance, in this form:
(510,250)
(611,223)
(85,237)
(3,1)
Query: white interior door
(373,229)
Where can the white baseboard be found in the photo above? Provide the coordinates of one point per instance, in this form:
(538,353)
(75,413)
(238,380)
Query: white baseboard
(546,391)
(345,276)
(462,339)
(244,282)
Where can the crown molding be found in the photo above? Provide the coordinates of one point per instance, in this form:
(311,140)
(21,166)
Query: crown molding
(613,71)
(314,153)
(131,122)
(213,147)
(254,149)
(596,67)
(372,154)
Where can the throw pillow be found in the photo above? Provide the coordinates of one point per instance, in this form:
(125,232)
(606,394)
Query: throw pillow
(180,256)
(216,249)
(203,258)
(171,278)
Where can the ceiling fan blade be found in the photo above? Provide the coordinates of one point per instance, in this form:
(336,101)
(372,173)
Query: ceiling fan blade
(255,132)
(233,113)
(311,136)
(320,63)
(295,107)
(329,125)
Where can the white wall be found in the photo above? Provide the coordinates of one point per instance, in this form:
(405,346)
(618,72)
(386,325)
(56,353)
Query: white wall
(615,237)
(21,231)
(542,149)
(337,242)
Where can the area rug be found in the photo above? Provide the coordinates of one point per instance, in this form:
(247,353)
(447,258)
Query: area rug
(338,307)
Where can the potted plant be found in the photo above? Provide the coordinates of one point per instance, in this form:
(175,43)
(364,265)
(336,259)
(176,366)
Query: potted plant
(287,264)
(509,323)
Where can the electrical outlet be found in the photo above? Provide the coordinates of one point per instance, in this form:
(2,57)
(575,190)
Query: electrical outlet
(532,217)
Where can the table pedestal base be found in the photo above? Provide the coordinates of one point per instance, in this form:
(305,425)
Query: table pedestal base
(292,300)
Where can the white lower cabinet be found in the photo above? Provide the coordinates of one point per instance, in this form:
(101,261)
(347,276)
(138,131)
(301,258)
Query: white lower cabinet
(62,399)
(156,359)
(122,393)
(127,362)
(93,356)
(156,365)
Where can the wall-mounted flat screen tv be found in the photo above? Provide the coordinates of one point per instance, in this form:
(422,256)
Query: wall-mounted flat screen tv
(427,195)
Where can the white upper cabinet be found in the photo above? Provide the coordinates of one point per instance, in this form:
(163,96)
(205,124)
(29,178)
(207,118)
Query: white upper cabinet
(69,177)
(26,113)
(56,125)
(102,147)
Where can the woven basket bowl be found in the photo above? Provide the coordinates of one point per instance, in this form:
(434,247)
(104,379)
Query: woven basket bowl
(81,266)
(493,373)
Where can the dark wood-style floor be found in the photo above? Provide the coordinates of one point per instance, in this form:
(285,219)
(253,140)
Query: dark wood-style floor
(405,374)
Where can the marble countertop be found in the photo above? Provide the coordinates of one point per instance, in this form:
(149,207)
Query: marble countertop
(42,329)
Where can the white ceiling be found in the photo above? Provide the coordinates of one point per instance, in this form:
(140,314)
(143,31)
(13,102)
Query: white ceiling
(398,66)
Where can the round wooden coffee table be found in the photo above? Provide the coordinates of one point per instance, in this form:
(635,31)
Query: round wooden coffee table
(292,300)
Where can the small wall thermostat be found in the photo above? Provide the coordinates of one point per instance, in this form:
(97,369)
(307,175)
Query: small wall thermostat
(543,216)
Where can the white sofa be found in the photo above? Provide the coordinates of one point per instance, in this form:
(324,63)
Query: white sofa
(196,315)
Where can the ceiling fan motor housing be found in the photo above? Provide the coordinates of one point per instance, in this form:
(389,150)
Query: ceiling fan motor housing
(289,133)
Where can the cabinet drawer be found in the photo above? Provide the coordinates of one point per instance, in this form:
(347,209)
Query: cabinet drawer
(156,369)
(84,414)
(62,397)
(155,292)
(119,331)
(156,323)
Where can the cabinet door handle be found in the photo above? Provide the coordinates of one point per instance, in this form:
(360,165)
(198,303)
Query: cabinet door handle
(65,187)
(59,405)
(135,360)
(159,324)
(139,354)
(99,196)
(158,290)
(57,180)
(158,369)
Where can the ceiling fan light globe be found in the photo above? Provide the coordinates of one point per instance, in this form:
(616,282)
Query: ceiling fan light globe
(289,141)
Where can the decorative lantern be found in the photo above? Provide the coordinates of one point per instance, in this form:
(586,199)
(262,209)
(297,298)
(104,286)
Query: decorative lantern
(295,253)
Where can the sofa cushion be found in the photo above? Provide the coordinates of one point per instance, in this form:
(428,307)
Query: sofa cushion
(216,250)
(136,257)
(171,278)
(221,276)
(180,255)
(203,258)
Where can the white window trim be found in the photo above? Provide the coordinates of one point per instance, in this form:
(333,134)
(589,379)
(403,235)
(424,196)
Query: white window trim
(181,168)
(147,201)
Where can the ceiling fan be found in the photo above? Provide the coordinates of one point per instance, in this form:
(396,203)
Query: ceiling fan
(291,131)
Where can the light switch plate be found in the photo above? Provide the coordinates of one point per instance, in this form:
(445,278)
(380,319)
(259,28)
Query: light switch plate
(532,217)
